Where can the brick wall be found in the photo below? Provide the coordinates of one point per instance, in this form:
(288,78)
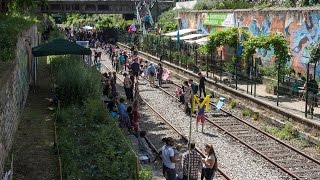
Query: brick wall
(14,87)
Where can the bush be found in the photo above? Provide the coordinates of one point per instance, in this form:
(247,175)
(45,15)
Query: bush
(245,112)
(285,133)
(91,144)
(233,104)
(167,21)
(225,4)
(145,174)
(75,81)
(269,70)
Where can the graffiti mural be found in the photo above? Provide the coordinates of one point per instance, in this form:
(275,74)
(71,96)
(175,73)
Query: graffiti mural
(300,28)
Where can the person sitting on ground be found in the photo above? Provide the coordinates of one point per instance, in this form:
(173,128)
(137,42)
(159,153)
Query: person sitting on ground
(143,145)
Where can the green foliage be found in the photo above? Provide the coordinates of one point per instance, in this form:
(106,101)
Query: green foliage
(255,116)
(275,41)
(56,34)
(225,37)
(315,53)
(269,70)
(222,4)
(233,104)
(75,81)
(167,22)
(245,112)
(10,27)
(99,21)
(19,7)
(285,133)
(88,147)
(145,174)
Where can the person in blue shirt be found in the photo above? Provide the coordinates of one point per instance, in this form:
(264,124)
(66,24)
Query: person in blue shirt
(121,60)
(151,71)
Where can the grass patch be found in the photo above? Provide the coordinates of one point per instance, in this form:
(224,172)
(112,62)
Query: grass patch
(245,112)
(285,133)
(255,116)
(318,148)
(145,174)
(233,104)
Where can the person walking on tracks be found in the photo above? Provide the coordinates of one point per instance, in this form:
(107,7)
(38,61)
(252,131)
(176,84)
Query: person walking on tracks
(159,74)
(151,73)
(195,163)
(202,87)
(210,165)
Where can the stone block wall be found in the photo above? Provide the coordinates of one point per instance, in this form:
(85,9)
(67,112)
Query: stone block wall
(14,87)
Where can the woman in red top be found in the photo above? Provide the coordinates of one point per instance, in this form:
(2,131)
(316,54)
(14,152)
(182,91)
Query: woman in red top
(136,116)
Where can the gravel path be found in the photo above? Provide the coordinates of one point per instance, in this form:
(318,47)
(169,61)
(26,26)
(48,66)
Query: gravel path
(234,159)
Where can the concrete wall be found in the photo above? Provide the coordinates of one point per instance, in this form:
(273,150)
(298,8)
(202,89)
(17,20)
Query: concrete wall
(14,87)
(301,28)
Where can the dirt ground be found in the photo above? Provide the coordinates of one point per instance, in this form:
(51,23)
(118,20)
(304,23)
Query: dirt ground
(34,156)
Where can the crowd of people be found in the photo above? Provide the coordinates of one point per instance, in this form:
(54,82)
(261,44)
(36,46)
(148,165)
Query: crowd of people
(175,163)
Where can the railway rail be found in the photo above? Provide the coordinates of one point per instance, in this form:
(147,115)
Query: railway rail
(292,161)
(220,174)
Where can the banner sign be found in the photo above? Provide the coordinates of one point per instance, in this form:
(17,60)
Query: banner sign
(219,19)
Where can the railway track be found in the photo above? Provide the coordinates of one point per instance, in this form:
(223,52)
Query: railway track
(168,128)
(292,161)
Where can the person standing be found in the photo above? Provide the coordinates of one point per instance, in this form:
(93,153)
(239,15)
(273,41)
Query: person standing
(151,73)
(127,83)
(121,62)
(202,87)
(187,97)
(210,165)
(312,89)
(135,67)
(200,115)
(168,159)
(195,163)
(159,74)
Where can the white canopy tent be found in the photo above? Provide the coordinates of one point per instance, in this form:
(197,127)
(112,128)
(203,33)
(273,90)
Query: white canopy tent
(181,32)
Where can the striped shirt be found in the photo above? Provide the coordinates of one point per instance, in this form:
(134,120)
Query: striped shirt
(195,164)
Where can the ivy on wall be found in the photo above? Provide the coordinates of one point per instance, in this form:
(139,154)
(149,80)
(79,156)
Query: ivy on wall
(315,54)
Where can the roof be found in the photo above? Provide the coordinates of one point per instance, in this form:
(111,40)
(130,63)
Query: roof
(181,32)
(199,41)
(60,47)
(190,36)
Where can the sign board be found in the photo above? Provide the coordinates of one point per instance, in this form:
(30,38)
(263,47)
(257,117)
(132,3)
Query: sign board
(219,19)
(83,43)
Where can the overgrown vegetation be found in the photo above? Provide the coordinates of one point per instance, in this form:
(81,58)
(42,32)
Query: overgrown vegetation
(285,133)
(10,27)
(99,21)
(145,174)
(91,144)
(245,112)
(245,4)
(233,104)
(167,22)
(74,81)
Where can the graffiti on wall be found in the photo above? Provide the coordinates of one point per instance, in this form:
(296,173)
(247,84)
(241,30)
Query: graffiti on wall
(301,29)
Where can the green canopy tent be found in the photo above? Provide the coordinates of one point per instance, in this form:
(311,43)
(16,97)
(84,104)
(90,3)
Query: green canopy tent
(58,47)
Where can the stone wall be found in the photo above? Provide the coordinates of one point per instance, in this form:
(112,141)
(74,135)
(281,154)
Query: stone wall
(301,28)
(14,87)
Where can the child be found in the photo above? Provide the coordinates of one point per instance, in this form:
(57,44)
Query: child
(200,115)
(114,113)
